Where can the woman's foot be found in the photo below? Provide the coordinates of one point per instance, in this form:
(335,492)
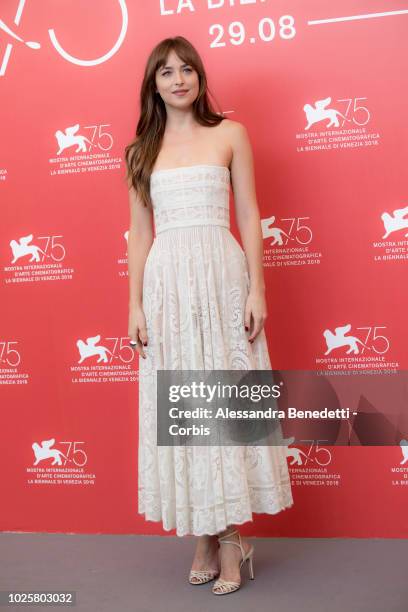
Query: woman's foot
(230,557)
(205,559)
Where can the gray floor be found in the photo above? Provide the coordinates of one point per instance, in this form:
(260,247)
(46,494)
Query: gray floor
(148,573)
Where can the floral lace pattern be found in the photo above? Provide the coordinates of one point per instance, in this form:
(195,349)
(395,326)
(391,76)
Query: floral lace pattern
(195,287)
(193,195)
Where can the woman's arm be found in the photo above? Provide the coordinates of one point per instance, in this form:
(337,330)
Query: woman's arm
(140,239)
(249,225)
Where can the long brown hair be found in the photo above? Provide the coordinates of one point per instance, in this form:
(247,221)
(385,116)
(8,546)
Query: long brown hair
(141,153)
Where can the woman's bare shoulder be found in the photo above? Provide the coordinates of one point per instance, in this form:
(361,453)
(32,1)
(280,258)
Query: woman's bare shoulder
(231,124)
(235,130)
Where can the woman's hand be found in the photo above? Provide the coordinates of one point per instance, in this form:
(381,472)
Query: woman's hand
(255,306)
(137,331)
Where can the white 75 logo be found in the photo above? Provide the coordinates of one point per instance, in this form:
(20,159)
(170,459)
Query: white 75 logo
(54,41)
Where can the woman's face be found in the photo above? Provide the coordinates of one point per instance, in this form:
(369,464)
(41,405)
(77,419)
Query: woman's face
(175,75)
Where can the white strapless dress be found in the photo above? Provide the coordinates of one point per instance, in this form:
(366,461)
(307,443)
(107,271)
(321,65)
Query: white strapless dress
(195,287)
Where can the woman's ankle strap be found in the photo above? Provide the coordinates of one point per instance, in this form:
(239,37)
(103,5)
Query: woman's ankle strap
(227,535)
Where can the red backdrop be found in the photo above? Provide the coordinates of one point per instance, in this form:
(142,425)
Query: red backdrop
(321,89)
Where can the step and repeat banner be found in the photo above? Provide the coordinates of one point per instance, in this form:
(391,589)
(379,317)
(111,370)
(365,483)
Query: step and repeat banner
(321,90)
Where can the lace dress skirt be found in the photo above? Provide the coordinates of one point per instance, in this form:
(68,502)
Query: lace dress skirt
(194,291)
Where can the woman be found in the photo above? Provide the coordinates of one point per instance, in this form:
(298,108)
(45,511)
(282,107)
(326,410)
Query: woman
(197,301)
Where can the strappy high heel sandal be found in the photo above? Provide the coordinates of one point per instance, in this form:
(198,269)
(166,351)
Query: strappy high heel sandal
(222,587)
(202,576)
